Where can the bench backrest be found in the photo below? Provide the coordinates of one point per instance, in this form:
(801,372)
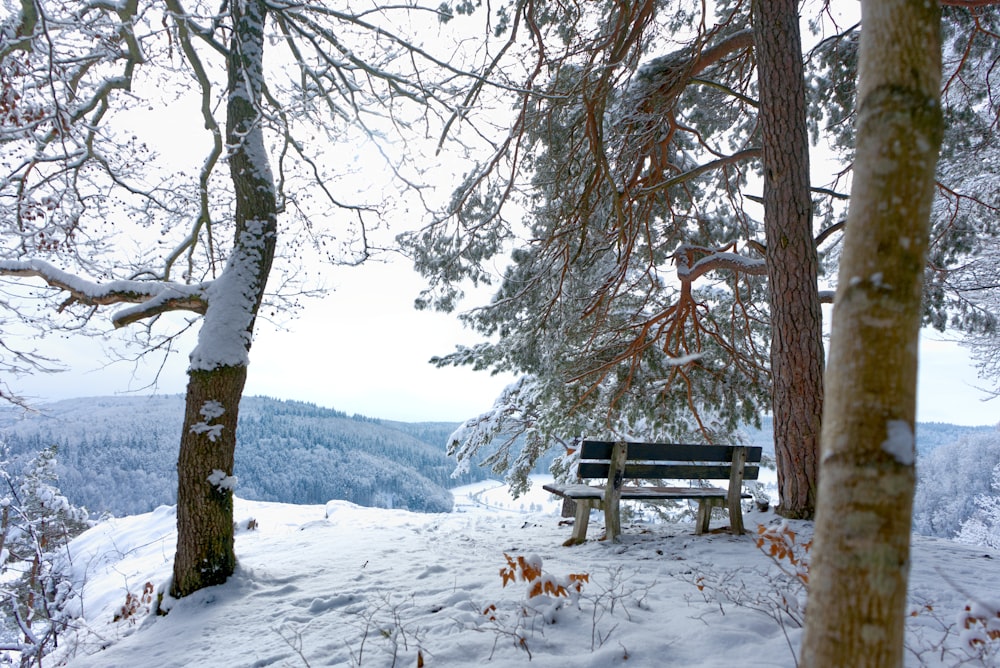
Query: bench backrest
(668,461)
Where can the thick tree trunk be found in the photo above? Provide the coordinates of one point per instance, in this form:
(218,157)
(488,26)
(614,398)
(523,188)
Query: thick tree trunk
(792,264)
(205,554)
(860,555)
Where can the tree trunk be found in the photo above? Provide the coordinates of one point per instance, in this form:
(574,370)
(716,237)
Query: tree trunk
(860,555)
(792,264)
(205,554)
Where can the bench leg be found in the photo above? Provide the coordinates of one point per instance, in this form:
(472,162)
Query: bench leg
(705,514)
(613,492)
(736,515)
(583,507)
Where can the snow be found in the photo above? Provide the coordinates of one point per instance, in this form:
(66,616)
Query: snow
(221,481)
(224,337)
(148,295)
(210,410)
(899,442)
(684,359)
(344,585)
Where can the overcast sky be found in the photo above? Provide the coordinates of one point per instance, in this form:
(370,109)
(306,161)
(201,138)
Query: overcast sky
(364,349)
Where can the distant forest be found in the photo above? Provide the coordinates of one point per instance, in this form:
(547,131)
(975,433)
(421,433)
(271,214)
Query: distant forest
(118,454)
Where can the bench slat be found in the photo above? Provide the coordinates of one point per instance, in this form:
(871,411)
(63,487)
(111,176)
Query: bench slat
(634,492)
(669,451)
(642,470)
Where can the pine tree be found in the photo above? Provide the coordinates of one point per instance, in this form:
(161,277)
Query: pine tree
(634,301)
(36,525)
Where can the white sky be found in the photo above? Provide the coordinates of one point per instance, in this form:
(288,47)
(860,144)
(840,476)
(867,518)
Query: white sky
(364,349)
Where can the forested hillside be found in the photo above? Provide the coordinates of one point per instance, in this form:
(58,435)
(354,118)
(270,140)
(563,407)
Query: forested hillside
(929,435)
(119,454)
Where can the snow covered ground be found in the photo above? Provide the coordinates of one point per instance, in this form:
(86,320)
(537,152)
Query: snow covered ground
(344,585)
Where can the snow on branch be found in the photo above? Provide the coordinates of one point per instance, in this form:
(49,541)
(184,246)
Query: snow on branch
(713,260)
(698,170)
(151,297)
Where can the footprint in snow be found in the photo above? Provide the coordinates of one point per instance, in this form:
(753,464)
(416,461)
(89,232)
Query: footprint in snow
(431,570)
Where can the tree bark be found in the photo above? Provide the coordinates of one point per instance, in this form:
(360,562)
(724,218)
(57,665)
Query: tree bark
(860,555)
(792,263)
(205,554)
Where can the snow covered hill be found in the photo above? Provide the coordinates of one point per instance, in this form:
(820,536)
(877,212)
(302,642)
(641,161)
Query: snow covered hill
(119,454)
(343,585)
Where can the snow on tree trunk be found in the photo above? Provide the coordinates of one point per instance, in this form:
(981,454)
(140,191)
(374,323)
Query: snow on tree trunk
(792,263)
(861,552)
(205,554)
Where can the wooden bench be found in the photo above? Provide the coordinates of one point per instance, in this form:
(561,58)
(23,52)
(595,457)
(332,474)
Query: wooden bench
(618,462)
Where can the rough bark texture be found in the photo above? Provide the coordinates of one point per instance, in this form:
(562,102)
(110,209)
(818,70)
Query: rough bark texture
(205,554)
(860,555)
(792,264)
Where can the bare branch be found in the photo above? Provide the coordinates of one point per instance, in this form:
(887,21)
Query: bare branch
(715,260)
(152,297)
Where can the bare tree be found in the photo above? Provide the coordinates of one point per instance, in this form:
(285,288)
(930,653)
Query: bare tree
(860,556)
(78,166)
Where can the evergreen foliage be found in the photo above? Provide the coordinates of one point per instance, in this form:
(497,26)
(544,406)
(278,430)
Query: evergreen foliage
(632,302)
(952,482)
(598,309)
(37,523)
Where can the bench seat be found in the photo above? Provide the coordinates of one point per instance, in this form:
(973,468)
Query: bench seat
(636,492)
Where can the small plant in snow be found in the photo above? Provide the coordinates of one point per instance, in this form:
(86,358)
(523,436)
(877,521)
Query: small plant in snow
(972,638)
(385,622)
(542,588)
(779,595)
(979,625)
(619,594)
(136,606)
(544,597)
(530,570)
(385,637)
(781,544)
